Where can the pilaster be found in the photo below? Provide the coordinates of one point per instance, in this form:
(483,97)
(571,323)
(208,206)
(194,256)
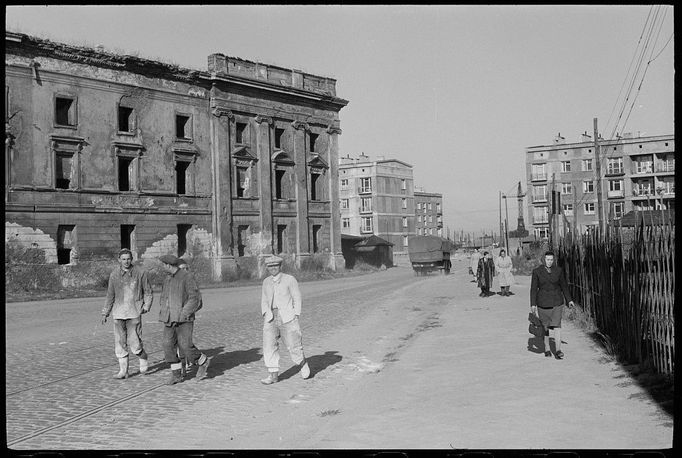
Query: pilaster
(301,167)
(264,150)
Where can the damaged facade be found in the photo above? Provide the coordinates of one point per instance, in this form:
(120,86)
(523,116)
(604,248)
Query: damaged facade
(105,151)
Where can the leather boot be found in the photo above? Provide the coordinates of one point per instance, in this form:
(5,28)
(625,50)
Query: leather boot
(123,368)
(273,377)
(176,377)
(144,362)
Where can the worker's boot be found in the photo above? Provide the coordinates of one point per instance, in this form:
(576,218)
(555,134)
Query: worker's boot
(144,362)
(176,374)
(123,368)
(273,377)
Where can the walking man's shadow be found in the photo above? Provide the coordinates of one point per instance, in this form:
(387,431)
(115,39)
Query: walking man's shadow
(317,363)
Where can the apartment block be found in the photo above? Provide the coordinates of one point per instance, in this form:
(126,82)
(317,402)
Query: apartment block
(428,212)
(105,151)
(377,197)
(637,173)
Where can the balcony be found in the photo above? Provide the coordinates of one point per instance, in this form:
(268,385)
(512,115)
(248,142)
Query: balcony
(365,190)
(613,171)
(642,192)
(538,177)
(539,198)
(615,194)
(365,209)
(540,220)
(665,167)
(643,169)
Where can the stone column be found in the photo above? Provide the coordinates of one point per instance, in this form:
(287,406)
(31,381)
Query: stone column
(221,211)
(301,168)
(337,261)
(264,151)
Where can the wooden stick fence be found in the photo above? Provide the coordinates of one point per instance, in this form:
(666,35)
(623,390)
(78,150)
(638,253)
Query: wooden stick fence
(624,279)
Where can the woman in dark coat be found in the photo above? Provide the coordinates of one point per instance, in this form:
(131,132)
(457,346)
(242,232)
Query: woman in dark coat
(548,292)
(485,273)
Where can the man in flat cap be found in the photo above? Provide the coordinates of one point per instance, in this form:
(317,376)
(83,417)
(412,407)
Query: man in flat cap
(280,308)
(129,295)
(180,298)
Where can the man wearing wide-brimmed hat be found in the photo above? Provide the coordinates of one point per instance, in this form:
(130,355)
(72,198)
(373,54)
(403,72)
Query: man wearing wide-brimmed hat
(180,298)
(280,308)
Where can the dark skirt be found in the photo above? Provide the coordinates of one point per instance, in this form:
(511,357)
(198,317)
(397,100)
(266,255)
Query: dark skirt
(551,316)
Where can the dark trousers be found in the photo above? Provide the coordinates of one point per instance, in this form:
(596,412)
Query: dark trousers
(179,335)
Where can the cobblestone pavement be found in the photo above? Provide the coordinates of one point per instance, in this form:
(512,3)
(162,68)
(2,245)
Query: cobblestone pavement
(67,384)
(397,361)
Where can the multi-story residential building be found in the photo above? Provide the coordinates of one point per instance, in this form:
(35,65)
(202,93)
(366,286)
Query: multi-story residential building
(105,151)
(377,197)
(428,212)
(637,173)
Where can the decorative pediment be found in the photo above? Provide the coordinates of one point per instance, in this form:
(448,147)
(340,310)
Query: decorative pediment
(128,149)
(242,156)
(317,164)
(185,152)
(282,157)
(67,144)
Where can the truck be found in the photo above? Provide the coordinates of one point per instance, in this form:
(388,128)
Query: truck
(428,253)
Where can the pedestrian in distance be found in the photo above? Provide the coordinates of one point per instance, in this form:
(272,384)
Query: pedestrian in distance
(281,308)
(180,299)
(187,364)
(473,265)
(548,292)
(129,295)
(503,267)
(485,273)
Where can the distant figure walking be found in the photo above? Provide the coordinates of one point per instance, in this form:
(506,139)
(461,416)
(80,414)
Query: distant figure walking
(503,266)
(280,308)
(548,290)
(129,295)
(473,265)
(485,273)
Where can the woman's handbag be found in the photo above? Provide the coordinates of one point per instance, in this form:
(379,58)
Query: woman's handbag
(535,325)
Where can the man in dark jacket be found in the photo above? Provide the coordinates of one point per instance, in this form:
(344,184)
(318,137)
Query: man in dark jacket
(548,291)
(180,298)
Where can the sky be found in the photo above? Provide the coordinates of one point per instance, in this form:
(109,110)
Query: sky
(459,92)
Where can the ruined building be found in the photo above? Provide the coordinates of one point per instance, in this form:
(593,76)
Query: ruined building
(105,151)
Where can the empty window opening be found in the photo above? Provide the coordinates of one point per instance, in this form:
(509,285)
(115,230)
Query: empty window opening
(127,236)
(242,237)
(313,140)
(315,181)
(317,232)
(183,230)
(182,125)
(181,177)
(125,119)
(65,243)
(63,171)
(281,238)
(241,128)
(242,181)
(125,166)
(278,137)
(279,180)
(64,111)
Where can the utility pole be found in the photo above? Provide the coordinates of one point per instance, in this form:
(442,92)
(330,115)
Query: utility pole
(506,225)
(500,205)
(600,210)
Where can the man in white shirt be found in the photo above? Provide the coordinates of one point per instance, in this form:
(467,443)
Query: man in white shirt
(280,308)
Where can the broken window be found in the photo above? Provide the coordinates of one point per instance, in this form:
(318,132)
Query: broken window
(281,238)
(183,126)
(128,236)
(181,168)
(65,111)
(240,130)
(242,238)
(66,243)
(125,173)
(183,231)
(279,180)
(125,119)
(278,137)
(63,170)
(242,181)
(317,232)
(313,140)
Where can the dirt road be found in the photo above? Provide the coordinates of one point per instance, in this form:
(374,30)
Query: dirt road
(399,362)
